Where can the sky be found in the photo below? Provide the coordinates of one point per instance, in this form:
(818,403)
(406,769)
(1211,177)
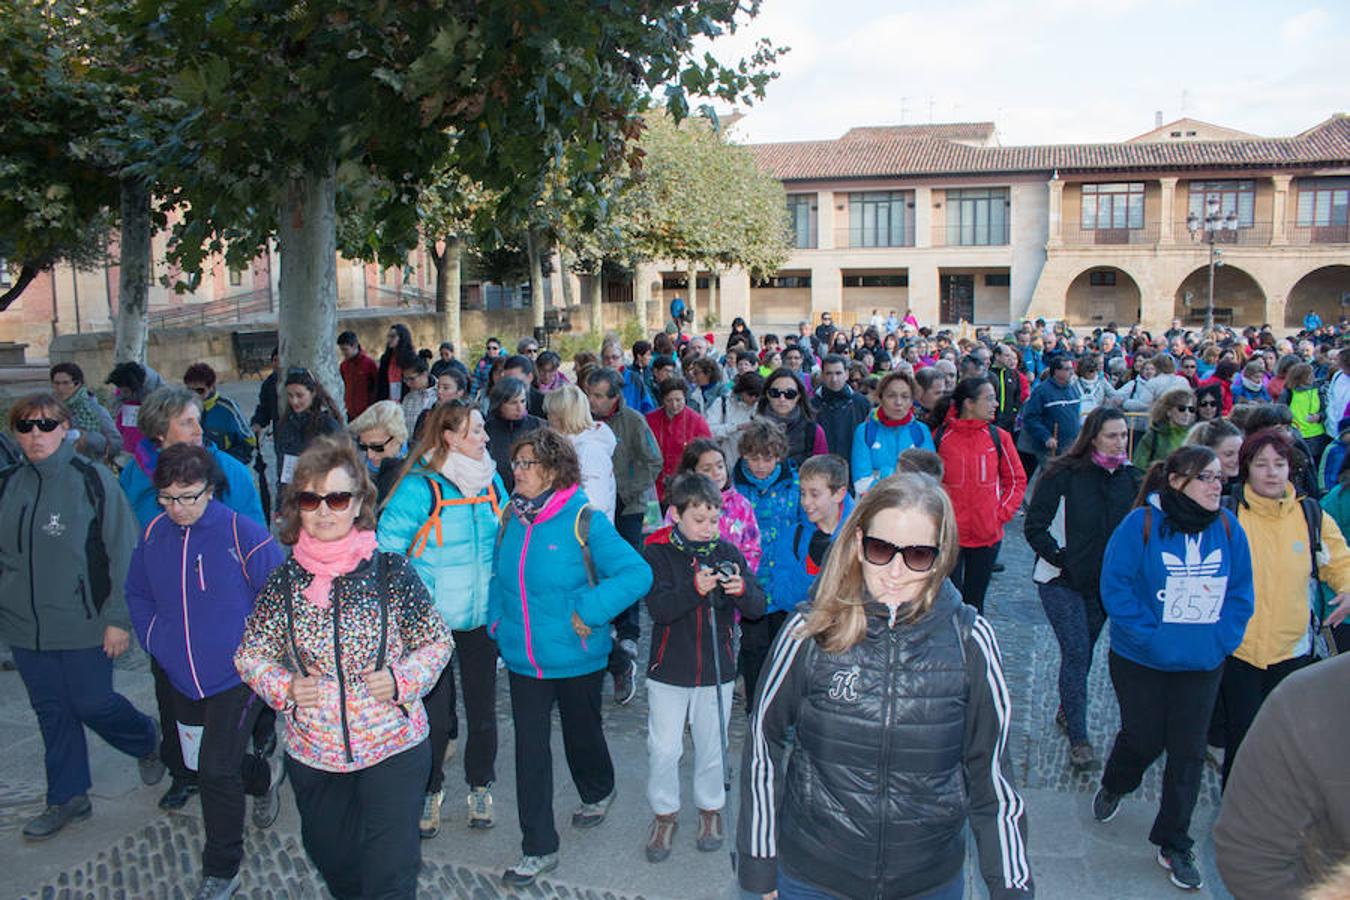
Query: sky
(1046,71)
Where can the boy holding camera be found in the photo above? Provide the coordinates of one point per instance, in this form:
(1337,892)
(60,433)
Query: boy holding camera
(698,580)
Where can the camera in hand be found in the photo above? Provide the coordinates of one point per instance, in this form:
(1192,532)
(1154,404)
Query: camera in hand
(724,570)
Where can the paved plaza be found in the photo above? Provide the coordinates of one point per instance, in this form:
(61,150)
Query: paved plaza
(130,849)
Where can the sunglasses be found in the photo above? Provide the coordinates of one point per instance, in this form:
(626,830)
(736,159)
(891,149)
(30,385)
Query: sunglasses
(1209,403)
(1184,408)
(308,501)
(789,394)
(46,426)
(182,499)
(917,557)
(378,448)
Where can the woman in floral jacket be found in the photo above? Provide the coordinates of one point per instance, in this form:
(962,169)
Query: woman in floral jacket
(344,641)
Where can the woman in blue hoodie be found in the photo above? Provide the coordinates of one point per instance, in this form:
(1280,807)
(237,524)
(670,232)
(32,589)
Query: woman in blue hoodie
(562,574)
(1177,587)
(191,585)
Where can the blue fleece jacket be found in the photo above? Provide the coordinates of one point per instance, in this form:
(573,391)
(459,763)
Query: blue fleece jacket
(1144,584)
(539,580)
(876,446)
(1052,409)
(189,590)
(635,392)
(137,482)
(789,584)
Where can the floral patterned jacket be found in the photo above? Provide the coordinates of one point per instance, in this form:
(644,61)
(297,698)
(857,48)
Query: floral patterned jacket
(380,615)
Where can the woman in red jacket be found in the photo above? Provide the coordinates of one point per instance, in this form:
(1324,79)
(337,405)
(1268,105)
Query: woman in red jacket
(674,426)
(985,481)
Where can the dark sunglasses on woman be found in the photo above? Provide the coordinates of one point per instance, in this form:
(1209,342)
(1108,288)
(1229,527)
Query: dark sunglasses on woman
(917,557)
(788,394)
(46,426)
(308,501)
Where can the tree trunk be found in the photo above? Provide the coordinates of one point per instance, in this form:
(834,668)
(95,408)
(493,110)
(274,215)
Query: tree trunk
(447,287)
(693,296)
(533,248)
(307,313)
(27,272)
(566,260)
(133,291)
(597,299)
(642,295)
(714,296)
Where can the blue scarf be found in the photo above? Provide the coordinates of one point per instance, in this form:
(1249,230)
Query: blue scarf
(762,483)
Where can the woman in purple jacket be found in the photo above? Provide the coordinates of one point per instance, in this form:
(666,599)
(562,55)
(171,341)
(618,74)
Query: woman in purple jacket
(191,585)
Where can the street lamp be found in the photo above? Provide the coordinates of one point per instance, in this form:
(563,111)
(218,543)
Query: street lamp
(1208,230)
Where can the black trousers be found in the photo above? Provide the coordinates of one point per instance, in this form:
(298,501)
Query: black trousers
(578,701)
(360,828)
(1241,692)
(1162,711)
(627,624)
(264,728)
(974,569)
(226,770)
(756,638)
(477,656)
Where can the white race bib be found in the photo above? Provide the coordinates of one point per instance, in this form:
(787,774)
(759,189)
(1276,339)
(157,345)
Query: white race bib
(130,412)
(288,467)
(190,739)
(1193,599)
(396,391)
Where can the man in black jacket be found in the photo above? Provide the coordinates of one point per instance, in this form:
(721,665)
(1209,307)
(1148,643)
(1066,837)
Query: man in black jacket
(839,409)
(1007,387)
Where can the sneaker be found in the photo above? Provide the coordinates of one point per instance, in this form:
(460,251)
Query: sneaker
(625,683)
(1062,720)
(1181,863)
(710,834)
(1082,758)
(268,747)
(151,766)
(480,808)
(589,815)
(430,824)
(76,809)
(528,869)
(267,807)
(214,888)
(628,646)
(180,791)
(662,836)
(1105,805)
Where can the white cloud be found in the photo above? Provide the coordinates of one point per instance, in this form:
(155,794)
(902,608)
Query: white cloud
(1299,27)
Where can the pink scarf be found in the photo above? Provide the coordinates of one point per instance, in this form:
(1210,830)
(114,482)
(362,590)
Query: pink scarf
(326,560)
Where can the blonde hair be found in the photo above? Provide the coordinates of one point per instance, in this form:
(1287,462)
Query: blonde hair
(837,618)
(385,414)
(568,410)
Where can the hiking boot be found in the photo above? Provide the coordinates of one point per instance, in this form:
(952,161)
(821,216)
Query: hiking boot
(267,807)
(430,824)
(662,836)
(1062,720)
(480,808)
(176,797)
(589,815)
(214,888)
(1105,805)
(528,869)
(625,683)
(1181,863)
(710,834)
(76,809)
(1082,758)
(151,766)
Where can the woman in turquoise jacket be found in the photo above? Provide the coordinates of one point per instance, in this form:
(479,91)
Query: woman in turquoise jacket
(891,429)
(562,573)
(443,514)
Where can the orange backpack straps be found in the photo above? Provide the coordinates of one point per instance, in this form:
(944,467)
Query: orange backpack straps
(438,503)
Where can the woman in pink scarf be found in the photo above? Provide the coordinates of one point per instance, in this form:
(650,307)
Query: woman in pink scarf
(344,642)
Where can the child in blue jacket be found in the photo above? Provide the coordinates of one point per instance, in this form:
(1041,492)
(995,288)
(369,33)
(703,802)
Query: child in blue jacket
(799,553)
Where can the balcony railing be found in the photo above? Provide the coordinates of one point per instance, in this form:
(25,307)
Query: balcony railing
(1077,235)
(1319,234)
(867,239)
(954,235)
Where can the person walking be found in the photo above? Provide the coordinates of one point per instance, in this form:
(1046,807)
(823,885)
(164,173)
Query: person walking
(360,375)
(507,421)
(400,354)
(344,640)
(222,421)
(86,413)
(309,414)
(1050,418)
(787,402)
(1170,418)
(381,437)
(674,425)
(66,538)
(888,431)
(729,417)
(569,414)
(839,409)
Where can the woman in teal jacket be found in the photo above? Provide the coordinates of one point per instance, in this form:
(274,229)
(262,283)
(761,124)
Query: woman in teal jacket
(562,573)
(891,429)
(443,514)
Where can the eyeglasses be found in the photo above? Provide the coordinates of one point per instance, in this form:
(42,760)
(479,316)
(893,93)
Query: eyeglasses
(1207,477)
(917,557)
(308,501)
(518,464)
(181,499)
(788,394)
(46,426)
(1184,408)
(378,448)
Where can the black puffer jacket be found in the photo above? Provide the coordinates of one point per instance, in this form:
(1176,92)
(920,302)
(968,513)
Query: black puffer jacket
(899,741)
(1095,501)
(839,414)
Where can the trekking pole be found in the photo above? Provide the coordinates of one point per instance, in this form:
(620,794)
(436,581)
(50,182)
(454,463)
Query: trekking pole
(729,832)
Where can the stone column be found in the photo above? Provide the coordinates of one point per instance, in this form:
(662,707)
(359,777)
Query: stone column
(1279,233)
(1169,192)
(923,217)
(827,291)
(825,220)
(1055,229)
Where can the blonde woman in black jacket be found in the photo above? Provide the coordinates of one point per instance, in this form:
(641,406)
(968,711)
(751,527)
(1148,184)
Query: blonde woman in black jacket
(894,692)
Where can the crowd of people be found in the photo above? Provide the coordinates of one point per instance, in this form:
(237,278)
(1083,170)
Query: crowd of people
(450,521)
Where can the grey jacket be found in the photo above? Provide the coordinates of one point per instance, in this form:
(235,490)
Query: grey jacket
(47,590)
(637,459)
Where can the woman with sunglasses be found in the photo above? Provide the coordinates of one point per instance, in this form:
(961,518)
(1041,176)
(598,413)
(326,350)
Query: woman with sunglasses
(786,402)
(66,538)
(1176,584)
(192,583)
(891,429)
(1208,403)
(309,414)
(450,472)
(381,435)
(344,641)
(1171,416)
(890,692)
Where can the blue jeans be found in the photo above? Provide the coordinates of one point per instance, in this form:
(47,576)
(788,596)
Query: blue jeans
(68,690)
(790,888)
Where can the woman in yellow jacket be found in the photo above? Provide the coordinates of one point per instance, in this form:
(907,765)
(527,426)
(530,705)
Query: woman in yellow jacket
(1279,636)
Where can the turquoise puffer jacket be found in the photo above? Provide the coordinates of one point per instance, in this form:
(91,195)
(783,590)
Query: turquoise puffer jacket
(454,562)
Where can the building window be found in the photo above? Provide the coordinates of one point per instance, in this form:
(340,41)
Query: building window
(1233,196)
(236,277)
(998,279)
(880,219)
(861,281)
(1102,279)
(802,218)
(977,217)
(1324,202)
(784,281)
(1113,206)
(680,282)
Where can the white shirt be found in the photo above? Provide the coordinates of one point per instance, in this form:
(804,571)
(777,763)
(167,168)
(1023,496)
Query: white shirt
(595,453)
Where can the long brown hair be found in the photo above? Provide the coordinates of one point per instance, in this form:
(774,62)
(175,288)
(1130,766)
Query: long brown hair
(321,457)
(837,619)
(453,416)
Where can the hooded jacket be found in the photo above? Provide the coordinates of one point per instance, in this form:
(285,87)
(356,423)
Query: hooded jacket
(1157,443)
(791,583)
(1095,500)
(839,413)
(189,590)
(225,427)
(1052,410)
(1010,390)
(540,579)
(595,452)
(637,460)
(777,504)
(897,743)
(636,394)
(876,446)
(1177,602)
(137,479)
(671,436)
(985,484)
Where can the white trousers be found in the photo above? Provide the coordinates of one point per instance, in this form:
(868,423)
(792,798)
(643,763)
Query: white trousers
(668,708)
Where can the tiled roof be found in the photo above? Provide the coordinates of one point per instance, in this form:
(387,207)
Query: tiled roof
(943,131)
(1327,143)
